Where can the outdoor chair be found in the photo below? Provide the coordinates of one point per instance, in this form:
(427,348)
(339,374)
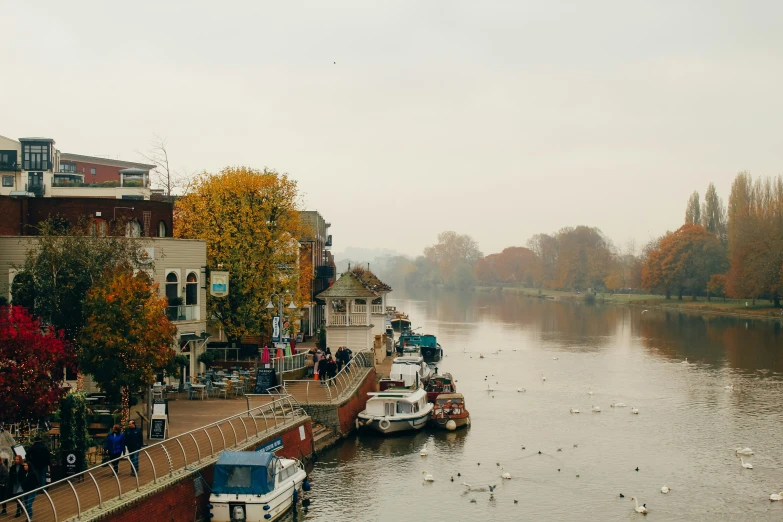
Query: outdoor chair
(192,392)
(223,390)
(210,389)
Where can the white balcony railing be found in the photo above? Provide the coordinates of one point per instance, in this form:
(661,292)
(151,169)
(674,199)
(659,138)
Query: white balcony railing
(182,313)
(377,309)
(359,309)
(354,319)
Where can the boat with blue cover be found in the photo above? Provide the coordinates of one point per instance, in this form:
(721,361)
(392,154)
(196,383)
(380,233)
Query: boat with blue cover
(254,486)
(428,344)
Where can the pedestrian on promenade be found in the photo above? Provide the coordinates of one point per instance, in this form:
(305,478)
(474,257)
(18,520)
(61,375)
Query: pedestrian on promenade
(115,445)
(133,441)
(332,367)
(339,357)
(4,487)
(347,356)
(29,483)
(15,479)
(40,458)
(328,351)
(317,366)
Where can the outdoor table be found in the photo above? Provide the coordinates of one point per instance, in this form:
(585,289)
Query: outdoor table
(220,383)
(199,388)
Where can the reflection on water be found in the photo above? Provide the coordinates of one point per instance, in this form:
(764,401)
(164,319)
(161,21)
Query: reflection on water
(684,435)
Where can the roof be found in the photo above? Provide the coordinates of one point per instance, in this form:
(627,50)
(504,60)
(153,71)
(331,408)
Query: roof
(372,282)
(256,478)
(37,139)
(347,286)
(245,458)
(67,156)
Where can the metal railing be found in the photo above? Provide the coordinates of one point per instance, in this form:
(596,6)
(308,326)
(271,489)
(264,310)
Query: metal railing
(182,312)
(87,494)
(330,390)
(289,363)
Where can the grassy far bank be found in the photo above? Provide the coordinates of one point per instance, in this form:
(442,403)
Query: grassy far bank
(763,309)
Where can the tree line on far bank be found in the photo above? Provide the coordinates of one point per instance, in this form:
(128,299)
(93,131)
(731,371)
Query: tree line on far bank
(733,250)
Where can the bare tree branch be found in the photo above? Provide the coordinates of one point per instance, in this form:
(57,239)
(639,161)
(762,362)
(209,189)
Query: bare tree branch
(163,176)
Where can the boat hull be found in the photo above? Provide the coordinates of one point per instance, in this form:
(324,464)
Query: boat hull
(279,502)
(387,425)
(443,422)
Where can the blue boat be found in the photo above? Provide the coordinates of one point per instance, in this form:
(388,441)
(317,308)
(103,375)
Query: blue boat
(428,344)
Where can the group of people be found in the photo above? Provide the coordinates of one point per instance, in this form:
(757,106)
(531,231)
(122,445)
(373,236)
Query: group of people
(24,476)
(117,441)
(325,365)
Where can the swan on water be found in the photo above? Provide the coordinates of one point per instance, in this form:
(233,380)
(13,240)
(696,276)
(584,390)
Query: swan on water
(639,509)
(428,477)
(635,411)
(745,451)
(543,378)
(555,358)
(423,451)
(643,311)
(590,392)
(746,465)
(574,410)
(729,388)
(685,361)
(776,496)
(521,390)
(665,489)
(596,409)
(477,489)
(505,475)
(618,405)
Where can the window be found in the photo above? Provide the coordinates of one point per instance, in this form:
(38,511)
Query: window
(67,167)
(162,229)
(133,229)
(8,181)
(7,159)
(172,287)
(99,228)
(36,156)
(92,171)
(191,289)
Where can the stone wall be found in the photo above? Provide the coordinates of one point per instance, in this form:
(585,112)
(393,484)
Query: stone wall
(342,417)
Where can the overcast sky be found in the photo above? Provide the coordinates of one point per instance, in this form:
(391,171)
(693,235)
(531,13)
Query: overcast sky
(499,120)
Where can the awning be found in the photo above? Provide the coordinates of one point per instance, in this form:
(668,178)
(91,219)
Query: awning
(185,338)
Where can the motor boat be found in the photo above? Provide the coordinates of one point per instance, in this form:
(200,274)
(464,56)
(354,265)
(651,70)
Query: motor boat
(254,486)
(439,383)
(449,412)
(409,370)
(395,410)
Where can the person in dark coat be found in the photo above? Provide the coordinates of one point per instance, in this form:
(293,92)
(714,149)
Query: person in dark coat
(332,367)
(15,479)
(339,358)
(114,446)
(40,458)
(29,483)
(133,441)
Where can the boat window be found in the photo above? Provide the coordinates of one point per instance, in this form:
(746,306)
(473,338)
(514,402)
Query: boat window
(403,407)
(416,407)
(238,477)
(389,409)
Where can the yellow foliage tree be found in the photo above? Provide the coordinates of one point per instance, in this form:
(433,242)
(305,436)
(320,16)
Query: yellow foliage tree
(250,221)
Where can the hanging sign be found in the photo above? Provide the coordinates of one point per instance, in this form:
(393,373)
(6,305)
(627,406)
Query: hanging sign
(276,328)
(218,284)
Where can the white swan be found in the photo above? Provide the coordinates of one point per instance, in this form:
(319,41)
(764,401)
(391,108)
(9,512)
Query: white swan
(635,411)
(505,474)
(665,489)
(776,496)
(729,388)
(521,390)
(685,361)
(639,509)
(596,409)
(643,311)
(574,410)
(428,477)
(423,451)
(618,405)
(554,358)
(590,392)
(543,378)
(744,451)
(746,465)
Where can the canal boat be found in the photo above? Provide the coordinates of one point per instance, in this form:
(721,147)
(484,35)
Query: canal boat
(439,383)
(254,486)
(428,344)
(400,322)
(411,370)
(449,412)
(396,410)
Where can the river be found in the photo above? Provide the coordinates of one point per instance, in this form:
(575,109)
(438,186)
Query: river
(684,435)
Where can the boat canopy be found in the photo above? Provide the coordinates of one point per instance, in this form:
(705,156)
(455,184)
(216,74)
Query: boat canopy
(245,473)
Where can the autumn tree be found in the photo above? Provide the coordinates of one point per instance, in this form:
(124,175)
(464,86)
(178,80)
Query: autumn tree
(546,249)
(716,286)
(250,221)
(512,265)
(453,251)
(713,213)
(584,258)
(33,359)
(684,261)
(693,210)
(127,337)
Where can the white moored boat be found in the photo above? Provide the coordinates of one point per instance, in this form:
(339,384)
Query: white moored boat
(396,410)
(411,370)
(254,486)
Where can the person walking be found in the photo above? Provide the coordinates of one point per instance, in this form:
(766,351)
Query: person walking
(133,441)
(15,479)
(30,482)
(317,364)
(339,358)
(3,483)
(115,445)
(40,458)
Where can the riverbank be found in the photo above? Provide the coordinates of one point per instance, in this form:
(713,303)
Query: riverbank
(727,307)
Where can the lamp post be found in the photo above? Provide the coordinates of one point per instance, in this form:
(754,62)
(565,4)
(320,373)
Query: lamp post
(280,303)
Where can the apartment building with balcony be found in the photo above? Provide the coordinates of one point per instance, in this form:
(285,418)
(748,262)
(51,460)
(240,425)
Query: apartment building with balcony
(316,244)
(34,167)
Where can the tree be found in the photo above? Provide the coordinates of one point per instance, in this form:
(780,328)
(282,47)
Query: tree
(692,211)
(713,214)
(250,221)
(684,261)
(512,265)
(33,359)
(716,286)
(163,175)
(584,258)
(546,249)
(452,251)
(127,337)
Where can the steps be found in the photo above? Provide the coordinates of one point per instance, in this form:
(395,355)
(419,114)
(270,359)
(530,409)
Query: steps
(323,437)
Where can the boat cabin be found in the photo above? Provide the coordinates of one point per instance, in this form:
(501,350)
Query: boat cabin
(410,369)
(396,402)
(439,384)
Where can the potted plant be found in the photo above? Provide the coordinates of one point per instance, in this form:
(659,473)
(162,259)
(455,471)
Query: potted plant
(207,358)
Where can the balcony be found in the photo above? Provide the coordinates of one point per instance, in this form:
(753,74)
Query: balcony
(182,313)
(354,319)
(324,272)
(9,166)
(37,165)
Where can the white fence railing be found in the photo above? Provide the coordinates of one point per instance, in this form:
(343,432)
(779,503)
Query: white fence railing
(335,388)
(352,319)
